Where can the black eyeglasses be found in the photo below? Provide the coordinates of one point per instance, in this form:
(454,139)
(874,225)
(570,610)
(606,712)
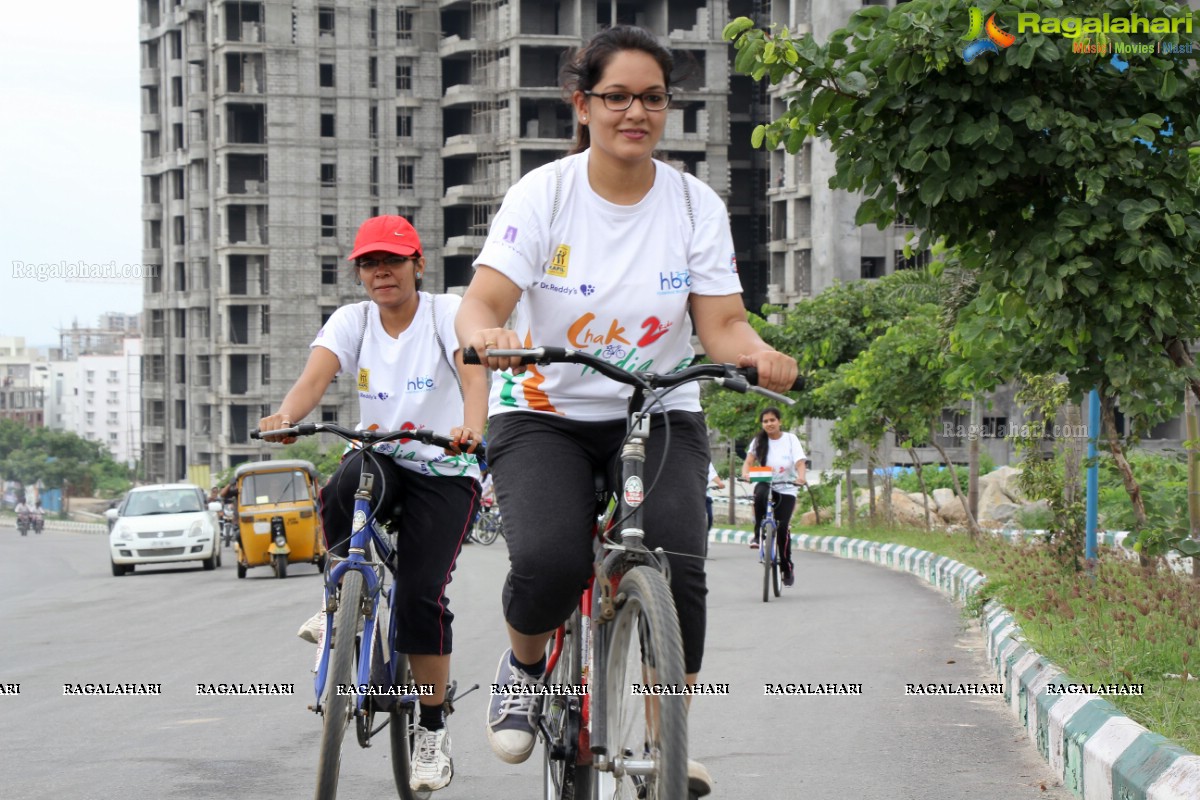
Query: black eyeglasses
(620,101)
(390,261)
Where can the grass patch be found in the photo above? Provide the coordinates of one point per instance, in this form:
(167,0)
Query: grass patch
(1120,625)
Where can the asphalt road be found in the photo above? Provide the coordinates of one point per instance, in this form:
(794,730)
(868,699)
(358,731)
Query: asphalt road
(65,620)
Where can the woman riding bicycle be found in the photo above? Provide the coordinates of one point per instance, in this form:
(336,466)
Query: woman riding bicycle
(607,250)
(782,452)
(398,346)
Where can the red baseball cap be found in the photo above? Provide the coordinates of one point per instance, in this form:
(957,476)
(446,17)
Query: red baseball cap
(388,234)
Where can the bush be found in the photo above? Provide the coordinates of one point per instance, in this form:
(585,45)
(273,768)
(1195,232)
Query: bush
(939,477)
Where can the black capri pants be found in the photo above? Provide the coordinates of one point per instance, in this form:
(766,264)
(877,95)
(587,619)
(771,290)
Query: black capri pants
(543,467)
(435,517)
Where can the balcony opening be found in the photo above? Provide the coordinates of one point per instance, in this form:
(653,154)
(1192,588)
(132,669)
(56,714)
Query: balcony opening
(247,124)
(329,175)
(238,271)
(239,430)
(239,325)
(540,18)
(246,174)
(243,22)
(546,119)
(239,374)
(539,66)
(244,73)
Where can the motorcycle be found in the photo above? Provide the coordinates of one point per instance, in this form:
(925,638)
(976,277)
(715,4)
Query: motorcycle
(23,523)
(228,524)
(37,521)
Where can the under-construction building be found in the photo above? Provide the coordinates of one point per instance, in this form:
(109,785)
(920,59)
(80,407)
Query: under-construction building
(272,128)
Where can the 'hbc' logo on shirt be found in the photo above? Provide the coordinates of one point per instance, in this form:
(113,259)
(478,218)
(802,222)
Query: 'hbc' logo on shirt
(560,262)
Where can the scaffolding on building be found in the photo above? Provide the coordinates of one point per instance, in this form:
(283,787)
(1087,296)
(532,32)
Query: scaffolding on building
(491,172)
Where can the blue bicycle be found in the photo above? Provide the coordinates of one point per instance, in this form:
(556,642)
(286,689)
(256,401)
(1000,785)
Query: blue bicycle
(768,549)
(372,676)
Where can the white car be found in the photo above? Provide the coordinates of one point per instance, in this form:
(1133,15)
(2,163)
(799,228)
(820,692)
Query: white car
(164,524)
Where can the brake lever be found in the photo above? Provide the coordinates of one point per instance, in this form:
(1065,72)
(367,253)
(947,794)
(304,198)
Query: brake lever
(739,384)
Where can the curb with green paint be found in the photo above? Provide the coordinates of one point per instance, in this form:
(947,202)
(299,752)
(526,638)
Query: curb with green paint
(1097,752)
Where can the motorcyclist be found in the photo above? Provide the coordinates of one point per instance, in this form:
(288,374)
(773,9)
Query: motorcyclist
(37,517)
(23,516)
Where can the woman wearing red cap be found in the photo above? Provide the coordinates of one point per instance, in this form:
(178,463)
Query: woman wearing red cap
(401,349)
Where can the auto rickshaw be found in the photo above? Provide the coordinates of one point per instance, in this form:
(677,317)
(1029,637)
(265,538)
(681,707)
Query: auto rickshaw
(277,516)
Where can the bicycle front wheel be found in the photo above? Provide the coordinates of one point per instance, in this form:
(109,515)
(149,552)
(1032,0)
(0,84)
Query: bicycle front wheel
(767,545)
(338,706)
(646,732)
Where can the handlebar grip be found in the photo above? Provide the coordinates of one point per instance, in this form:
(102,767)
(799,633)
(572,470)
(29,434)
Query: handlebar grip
(752,379)
(470,356)
(299,429)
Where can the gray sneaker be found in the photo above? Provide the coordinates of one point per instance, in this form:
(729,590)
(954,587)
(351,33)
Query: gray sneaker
(512,718)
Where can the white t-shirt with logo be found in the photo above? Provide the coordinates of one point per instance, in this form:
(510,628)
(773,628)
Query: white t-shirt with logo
(782,455)
(403,382)
(612,280)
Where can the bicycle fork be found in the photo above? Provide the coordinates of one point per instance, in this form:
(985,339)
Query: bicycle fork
(631,494)
(370,602)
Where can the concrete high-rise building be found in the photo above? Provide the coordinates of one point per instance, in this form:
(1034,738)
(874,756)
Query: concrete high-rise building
(271,129)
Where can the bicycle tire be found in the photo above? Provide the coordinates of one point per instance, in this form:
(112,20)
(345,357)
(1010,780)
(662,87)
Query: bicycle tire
(564,778)
(767,548)
(402,720)
(486,529)
(644,647)
(337,707)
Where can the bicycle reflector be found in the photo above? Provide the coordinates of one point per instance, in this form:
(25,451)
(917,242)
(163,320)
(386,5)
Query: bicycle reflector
(760,474)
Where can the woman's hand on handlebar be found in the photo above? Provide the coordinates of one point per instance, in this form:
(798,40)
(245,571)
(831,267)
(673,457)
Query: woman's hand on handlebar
(274,423)
(468,439)
(497,339)
(776,371)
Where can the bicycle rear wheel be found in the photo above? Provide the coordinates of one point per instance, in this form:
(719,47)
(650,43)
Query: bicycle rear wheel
(403,725)
(646,735)
(562,777)
(767,548)
(336,706)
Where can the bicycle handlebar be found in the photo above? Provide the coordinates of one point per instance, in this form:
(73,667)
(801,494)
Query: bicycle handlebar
(422,435)
(737,379)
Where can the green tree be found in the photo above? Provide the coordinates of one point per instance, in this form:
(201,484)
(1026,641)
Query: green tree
(57,458)
(1063,181)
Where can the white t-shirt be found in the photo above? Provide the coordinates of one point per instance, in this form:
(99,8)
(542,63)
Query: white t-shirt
(609,279)
(782,455)
(403,382)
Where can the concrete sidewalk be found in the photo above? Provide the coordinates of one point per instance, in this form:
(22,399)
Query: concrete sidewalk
(1097,752)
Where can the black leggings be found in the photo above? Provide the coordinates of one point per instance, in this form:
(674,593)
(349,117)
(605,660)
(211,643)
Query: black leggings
(543,468)
(784,505)
(435,516)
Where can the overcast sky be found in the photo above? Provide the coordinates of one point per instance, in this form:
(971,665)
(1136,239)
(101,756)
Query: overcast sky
(70,161)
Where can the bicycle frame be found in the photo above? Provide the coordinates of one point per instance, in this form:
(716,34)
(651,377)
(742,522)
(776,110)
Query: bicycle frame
(364,534)
(623,553)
